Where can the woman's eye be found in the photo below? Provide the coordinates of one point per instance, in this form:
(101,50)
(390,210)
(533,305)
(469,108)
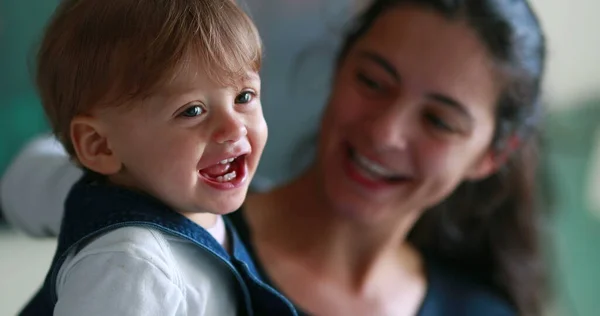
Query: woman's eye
(193,111)
(370,83)
(244,97)
(438,123)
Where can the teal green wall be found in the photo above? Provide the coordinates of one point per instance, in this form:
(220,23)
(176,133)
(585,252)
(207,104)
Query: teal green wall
(21,117)
(571,137)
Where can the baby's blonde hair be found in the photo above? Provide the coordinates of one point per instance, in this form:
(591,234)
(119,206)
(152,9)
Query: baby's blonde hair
(103,52)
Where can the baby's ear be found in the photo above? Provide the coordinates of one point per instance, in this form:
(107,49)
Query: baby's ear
(92,146)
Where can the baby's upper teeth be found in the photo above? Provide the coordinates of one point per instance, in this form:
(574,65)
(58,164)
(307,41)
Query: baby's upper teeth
(224,161)
(374,167)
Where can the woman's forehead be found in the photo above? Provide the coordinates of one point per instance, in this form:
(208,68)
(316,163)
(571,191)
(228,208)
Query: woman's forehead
(425,33)
(431,52)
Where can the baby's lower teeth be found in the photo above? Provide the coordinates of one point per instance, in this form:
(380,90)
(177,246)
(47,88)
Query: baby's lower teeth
(228,177)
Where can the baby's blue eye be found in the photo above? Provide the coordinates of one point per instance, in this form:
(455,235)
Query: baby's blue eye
(244,97)
(193,111)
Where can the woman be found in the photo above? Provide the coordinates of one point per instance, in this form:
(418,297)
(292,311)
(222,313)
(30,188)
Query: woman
(420,200)
(424,166)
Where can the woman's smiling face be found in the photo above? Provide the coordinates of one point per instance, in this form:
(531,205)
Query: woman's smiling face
(410,117)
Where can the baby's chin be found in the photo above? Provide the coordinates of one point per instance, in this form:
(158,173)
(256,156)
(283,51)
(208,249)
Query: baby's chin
(224,205)
(205,214)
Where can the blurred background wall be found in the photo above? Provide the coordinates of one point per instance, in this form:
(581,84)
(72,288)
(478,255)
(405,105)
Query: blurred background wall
(573,149)
(300,42)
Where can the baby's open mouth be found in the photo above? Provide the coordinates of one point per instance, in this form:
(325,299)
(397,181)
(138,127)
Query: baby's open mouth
(227,171)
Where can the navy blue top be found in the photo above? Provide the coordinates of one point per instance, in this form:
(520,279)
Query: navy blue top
(449,291)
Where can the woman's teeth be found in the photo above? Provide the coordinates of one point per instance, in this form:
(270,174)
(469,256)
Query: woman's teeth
(226,161)
(227,177)
(373,167)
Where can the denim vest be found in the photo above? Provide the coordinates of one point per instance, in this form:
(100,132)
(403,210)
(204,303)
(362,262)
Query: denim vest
(94,207)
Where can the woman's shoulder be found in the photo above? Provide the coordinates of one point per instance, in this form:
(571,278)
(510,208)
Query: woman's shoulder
(453,291)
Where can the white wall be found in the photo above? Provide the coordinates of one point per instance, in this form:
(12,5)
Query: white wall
(572,28)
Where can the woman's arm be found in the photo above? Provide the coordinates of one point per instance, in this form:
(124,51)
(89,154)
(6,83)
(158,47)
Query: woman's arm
(35,186)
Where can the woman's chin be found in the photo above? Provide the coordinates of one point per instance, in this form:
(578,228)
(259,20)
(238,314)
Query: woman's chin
(356,208)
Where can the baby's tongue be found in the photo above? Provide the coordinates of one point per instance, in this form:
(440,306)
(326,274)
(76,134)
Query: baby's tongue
(216,170)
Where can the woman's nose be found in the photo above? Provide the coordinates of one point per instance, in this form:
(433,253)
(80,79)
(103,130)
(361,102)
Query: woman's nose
(390,128)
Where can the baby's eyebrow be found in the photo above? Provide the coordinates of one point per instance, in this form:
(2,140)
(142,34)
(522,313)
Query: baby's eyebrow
(250,77)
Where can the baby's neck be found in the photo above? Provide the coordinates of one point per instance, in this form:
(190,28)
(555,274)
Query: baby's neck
(213,223)
(204,220)
(219,232)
